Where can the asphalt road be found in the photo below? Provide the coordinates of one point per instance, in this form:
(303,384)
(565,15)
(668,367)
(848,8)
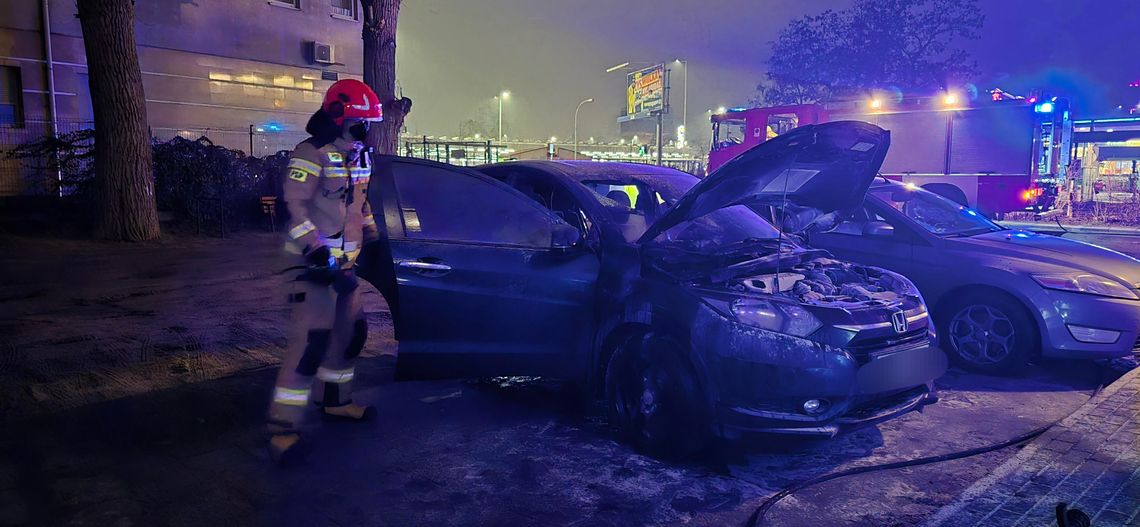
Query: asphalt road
(187,450)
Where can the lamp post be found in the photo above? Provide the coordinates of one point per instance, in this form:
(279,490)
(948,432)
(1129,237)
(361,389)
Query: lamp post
(685,98)
(501,97)
(591,99)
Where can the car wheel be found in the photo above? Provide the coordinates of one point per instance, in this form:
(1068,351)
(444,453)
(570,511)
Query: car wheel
(654,399)
(992,334)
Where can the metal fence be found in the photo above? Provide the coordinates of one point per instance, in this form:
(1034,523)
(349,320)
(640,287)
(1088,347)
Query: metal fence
(462,153)
(256,141)
(37,174)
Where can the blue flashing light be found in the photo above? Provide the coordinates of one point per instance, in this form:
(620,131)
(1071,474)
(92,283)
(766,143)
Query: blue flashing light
(1045,107)
(1021,235)
(971,212)
(272,127)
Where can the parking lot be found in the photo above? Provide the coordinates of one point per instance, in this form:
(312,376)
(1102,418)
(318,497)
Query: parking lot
(156,420)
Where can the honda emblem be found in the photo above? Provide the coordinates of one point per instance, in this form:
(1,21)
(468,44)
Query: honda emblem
(898,320)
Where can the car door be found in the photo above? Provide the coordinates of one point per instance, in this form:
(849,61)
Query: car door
(483,290)
(871,236)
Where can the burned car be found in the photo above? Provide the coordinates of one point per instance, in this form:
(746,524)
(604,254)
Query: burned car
(665,294)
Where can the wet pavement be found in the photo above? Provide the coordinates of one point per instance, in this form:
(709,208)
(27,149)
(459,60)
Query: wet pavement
(174,437)
(470,453)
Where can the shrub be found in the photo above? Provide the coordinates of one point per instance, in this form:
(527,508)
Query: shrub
(195,181)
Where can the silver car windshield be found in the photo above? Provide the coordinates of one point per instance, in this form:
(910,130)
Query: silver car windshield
(934,213)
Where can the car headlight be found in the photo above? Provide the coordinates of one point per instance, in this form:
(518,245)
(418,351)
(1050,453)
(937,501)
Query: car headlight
(1085,283)
(775,316)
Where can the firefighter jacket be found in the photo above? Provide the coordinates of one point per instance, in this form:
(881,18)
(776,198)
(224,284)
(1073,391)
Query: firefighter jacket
(326,192)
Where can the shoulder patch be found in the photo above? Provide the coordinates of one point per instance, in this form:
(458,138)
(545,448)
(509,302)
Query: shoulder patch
(298,175)
(335,157)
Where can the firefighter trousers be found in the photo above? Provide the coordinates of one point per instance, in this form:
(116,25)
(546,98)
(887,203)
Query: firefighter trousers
(327,333)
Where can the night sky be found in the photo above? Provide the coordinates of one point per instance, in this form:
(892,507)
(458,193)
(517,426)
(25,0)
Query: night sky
(454,56)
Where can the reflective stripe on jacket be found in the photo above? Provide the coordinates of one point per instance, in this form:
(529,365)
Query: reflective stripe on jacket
(326,192)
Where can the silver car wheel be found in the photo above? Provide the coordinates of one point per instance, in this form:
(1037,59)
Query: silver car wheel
(982,334)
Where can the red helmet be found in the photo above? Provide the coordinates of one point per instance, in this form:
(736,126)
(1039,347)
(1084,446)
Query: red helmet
(352,99)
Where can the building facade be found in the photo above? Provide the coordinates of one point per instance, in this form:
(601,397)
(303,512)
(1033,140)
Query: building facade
(247,73)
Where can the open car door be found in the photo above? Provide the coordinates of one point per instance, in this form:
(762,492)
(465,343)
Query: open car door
(490,283)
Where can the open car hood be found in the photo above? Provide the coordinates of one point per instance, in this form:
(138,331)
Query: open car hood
(827,166)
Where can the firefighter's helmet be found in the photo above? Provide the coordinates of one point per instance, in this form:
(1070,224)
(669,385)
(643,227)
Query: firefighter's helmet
(352,99)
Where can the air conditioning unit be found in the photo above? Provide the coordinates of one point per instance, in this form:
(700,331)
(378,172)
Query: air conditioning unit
(323,53)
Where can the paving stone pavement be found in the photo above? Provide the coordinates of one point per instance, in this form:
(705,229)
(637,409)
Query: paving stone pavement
(1090,460)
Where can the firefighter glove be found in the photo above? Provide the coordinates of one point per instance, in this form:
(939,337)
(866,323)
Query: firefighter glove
(321,258)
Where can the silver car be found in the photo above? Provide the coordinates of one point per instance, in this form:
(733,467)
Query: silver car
(1000,297)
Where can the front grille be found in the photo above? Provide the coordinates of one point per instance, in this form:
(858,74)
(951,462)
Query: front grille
(866,349)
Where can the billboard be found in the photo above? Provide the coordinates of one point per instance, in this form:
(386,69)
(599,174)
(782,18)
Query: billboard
(645,92)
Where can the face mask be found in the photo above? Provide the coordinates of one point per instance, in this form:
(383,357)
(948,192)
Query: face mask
(358,131)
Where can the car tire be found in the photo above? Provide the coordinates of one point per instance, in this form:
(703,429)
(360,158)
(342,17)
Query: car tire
(988,333)
(654,399)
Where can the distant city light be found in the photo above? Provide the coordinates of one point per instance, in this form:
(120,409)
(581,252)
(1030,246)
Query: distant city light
(876,104)
(635,139)
(721,110)
(476,136)
(950,99)
(1045,107)
(553,139)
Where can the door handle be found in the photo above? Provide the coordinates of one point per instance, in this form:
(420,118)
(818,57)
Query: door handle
(424,266)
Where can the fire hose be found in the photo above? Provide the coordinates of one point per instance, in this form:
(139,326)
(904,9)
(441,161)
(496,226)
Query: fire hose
(757,517)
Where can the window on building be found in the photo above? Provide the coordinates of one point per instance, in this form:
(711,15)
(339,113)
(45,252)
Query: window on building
(344,8)
(11,97)
(295,4)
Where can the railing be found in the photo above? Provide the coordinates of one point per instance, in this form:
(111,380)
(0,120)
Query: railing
(462,153)
(38,174)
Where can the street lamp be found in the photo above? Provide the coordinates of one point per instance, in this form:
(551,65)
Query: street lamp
(616,67)
(501,97)
(591,99)
(685,98)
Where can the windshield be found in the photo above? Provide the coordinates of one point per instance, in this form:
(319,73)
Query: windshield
(636,203)
(934,213)
(718,228)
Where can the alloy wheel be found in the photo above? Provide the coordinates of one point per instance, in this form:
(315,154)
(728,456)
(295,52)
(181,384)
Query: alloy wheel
(982,334)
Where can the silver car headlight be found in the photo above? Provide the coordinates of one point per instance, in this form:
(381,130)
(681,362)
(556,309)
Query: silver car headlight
(775,316)
(1085,283)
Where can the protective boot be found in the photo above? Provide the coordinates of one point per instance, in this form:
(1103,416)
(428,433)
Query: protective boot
(286,449)
(349,412)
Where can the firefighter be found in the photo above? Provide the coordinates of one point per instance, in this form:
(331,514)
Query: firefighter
(325,191)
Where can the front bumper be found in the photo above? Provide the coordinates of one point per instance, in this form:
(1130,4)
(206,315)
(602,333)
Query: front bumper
(883,388)
(1060,309)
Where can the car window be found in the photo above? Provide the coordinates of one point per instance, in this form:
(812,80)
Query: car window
(934,213)
(442,205)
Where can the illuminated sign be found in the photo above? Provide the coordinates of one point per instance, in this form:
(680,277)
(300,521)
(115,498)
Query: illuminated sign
(645,92)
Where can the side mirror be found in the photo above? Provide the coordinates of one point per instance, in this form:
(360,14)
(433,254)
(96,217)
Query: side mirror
(878,229)
(565,238)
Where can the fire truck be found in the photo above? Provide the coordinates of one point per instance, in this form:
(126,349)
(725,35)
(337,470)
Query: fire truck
(1003,154)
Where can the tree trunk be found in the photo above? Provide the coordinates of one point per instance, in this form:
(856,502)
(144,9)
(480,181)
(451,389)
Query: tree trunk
(380,70)
(124,182)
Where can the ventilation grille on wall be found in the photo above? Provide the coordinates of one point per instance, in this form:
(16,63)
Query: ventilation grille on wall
(330,76)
